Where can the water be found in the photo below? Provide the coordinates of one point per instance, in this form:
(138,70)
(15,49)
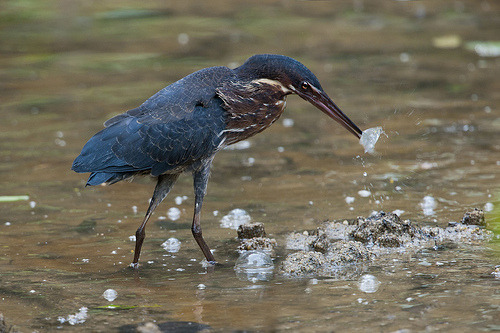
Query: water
(110,295)
(174,213)
(428,205)
(66,67)
(369,138)
(235,218)
(254,266)
(171,245)
(368,283)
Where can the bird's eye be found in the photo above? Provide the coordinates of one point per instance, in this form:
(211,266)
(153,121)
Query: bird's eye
(305,85)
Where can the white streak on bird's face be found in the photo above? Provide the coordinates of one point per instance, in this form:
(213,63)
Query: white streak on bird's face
(278,84)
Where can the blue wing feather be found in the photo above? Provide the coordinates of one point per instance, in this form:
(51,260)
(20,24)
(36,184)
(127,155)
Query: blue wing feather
(175,128)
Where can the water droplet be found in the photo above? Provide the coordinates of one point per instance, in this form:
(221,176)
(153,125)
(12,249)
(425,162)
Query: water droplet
(364,193)
(244,144)
(288,122)
(398,212)
(369,138)
(368,283)
(254,266)
(404,57)
(428,205)
(171,245)
(174,213)
(183,38)
(235,218)
(110,295)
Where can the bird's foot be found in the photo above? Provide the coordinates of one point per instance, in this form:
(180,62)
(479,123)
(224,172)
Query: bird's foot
(212,263)
(134,265)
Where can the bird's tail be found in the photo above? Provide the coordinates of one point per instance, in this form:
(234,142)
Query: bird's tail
(97,178)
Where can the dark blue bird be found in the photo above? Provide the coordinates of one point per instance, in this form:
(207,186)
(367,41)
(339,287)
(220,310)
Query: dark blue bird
(185,124)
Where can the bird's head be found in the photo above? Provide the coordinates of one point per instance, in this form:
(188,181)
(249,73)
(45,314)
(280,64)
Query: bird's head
(292,77)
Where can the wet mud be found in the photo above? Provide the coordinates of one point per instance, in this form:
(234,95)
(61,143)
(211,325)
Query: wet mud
(338,247)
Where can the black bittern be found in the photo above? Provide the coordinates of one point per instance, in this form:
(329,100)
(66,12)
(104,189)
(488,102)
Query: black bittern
(185,124)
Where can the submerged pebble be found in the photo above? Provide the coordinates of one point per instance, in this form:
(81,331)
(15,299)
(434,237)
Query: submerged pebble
(369,138)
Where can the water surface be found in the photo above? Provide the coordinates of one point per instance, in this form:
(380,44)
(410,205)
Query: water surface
(409,67)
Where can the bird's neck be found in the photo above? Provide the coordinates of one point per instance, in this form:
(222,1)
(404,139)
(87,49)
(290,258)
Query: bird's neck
(251,107)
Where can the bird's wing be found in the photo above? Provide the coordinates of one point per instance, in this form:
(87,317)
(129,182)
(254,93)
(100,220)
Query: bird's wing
(176,127)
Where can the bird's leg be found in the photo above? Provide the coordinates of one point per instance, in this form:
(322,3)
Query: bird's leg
(163,186)
(200,187)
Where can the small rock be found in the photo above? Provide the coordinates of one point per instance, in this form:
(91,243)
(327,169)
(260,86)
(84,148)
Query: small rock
(3,326)
(347,252)
(475,217)
(258,243)
(251,230)
(299,241)
(302,263)
(321,243)
(384,229)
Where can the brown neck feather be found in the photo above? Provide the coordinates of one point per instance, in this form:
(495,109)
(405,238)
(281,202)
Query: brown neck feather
(251,107)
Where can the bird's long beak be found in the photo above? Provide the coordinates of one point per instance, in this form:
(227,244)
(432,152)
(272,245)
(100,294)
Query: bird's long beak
(321,100)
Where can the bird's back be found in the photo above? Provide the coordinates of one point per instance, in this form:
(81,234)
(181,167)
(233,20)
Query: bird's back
(176,127)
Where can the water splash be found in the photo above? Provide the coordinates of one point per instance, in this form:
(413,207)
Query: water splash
(254,266)
(174,213)
(171,245)
(428,205)
(110,295)
(235,218)
(368,283)
(78,318)
(369,138)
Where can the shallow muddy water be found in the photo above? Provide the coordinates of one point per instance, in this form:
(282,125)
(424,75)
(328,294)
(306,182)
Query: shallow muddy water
(426,72)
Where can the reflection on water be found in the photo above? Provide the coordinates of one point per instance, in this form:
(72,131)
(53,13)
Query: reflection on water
(424,71)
